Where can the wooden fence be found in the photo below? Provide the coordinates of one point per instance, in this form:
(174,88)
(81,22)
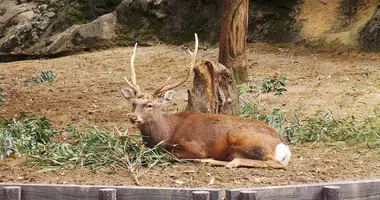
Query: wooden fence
(355,190)
(78,192)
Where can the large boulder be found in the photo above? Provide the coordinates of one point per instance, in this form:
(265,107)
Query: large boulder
(54,27)
(370,36)
(96,34)
(16,26)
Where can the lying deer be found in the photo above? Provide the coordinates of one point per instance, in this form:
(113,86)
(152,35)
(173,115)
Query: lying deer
(215,139)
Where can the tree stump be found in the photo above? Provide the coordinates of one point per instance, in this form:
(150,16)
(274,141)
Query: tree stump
(214,89)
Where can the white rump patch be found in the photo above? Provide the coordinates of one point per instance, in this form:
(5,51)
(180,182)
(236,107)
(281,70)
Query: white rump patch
(282,153)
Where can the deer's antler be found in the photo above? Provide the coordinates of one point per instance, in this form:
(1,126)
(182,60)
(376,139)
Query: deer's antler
(133,85)
(165,86)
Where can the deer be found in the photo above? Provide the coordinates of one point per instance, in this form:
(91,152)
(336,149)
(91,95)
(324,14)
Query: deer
(213,139)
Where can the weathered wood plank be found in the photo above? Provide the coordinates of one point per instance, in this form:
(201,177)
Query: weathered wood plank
(351,190)
(355,190)
(12,193)
(107,194)
(74,192)
(161,194)
(55,192)
(201,195)
(330,193)
(248,195)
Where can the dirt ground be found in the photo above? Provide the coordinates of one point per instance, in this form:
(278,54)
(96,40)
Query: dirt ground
(86,93)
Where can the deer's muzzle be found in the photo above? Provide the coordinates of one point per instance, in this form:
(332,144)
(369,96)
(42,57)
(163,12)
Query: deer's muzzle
(135,119)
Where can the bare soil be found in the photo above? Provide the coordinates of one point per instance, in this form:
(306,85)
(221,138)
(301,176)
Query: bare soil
(86,93)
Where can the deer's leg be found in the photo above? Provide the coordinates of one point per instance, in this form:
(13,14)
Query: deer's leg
(244,162)
(272,159)
(209,161)
(240,162)
(188,150)
(261,160)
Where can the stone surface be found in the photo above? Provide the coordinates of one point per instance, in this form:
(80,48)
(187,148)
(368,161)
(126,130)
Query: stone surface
(51,27)
(370,36)
(50,14)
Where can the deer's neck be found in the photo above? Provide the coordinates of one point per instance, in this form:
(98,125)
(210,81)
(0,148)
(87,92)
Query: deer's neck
(157,130)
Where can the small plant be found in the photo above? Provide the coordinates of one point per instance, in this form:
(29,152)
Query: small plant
(277,121)
(95,149)
(99,148)
(250,110)
(20,136)
(44,76)
(78,16)
(326,128)
(275,84)
(329,128)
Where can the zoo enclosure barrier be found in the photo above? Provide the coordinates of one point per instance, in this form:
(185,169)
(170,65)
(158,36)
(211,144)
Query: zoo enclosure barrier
(82,192)
(353,190)
(350,190)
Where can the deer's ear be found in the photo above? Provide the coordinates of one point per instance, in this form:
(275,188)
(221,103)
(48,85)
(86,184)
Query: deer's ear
(128,93)
(168,96)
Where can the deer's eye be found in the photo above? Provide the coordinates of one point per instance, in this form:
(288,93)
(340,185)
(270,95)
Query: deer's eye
(150,106)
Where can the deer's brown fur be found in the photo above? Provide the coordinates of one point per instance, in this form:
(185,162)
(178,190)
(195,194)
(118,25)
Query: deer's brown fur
(216,139)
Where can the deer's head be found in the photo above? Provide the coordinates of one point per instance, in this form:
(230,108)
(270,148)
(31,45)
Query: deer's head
(147,106)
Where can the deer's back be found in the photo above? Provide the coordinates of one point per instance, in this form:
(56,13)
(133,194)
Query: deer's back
(192,122)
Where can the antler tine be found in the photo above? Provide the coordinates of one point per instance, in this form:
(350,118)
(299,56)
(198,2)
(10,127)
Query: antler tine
(133,85)
(162,86)
(166,87)
(133,73)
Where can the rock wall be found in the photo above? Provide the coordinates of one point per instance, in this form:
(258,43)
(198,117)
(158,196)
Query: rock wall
(50,27)
(175,21)
(335,22)
(370,35)
(171,21)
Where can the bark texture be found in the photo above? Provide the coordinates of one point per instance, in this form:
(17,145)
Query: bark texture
(214,89)
(233,38)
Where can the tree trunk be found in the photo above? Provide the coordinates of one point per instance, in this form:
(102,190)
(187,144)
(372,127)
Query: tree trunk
(233,38)
(214,90)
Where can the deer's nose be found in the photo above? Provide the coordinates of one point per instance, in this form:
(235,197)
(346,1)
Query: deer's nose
(133,119)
